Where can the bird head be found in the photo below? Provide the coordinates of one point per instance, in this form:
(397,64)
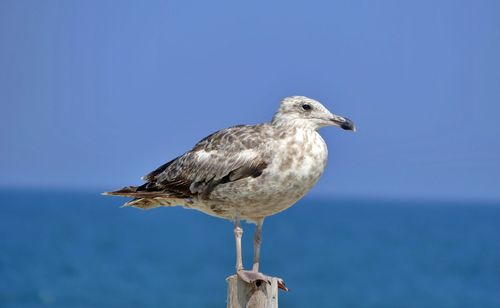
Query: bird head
(301,111)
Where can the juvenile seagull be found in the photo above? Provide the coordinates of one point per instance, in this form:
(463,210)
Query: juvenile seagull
(245,172)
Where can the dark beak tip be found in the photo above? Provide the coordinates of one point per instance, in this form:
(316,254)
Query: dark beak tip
(348,125)
(344,123)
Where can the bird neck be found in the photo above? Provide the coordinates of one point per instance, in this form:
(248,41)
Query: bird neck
(295,123)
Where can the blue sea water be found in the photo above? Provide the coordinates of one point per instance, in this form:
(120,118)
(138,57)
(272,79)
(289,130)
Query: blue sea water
(63,249)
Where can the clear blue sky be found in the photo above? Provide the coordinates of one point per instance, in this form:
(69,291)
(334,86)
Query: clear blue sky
(94,94)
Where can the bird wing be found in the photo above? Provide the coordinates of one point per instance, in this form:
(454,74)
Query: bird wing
(225,156)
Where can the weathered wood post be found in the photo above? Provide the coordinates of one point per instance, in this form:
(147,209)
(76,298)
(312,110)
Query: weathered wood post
(251,295)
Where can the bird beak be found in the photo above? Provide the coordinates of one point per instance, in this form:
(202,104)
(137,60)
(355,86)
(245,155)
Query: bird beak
(343,123)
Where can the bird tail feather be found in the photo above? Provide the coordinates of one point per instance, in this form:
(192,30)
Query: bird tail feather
(145,200)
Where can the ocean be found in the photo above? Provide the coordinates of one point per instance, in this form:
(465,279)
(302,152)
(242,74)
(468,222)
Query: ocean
(79,249)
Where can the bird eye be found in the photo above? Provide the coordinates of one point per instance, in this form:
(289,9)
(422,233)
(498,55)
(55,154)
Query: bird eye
(306,107)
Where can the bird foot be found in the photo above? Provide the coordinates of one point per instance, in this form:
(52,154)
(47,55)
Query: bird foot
(259,278)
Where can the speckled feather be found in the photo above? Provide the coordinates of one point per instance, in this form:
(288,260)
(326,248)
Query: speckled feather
(245,171)
(225,156)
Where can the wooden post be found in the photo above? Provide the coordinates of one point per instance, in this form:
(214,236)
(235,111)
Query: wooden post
(251,295)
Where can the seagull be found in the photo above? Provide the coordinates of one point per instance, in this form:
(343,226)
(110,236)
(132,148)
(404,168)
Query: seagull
(245,172)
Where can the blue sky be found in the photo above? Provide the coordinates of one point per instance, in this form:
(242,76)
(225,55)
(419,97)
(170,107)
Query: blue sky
(94,94)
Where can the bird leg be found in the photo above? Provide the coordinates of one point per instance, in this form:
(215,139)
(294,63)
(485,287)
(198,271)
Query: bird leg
(253,276)
(247,276)
(238,234)
(257,240)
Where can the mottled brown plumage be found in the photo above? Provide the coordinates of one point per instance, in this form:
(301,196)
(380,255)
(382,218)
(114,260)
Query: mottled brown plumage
(247,171)
(188,176)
